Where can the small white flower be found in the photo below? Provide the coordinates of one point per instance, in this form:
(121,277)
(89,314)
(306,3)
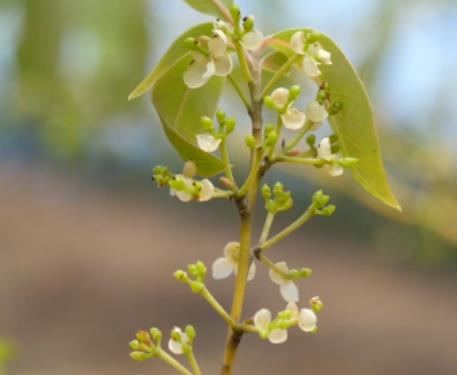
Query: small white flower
(316,112)
(262,320)
(207,190)
(218,62)
(176,346)
(316,51)
(280,97)
(252,40)
(307,320)
(298,42)
(183,196)
(223,267)
(293,119)
(293,308)
(311,67)
(208,143)
(287,288)
(324,151)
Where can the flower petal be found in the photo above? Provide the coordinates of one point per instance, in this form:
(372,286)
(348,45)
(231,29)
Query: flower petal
(251,272)
(324,149)
(289,291)
(223,65)
(307,320)
(217,46)
(208,143)
(293,308)
(335,170)
(275,276)
(232,250)
(311,67)
(316,51)
(262,319)
(196,74)
(280,96)
(252,40)
(175,346)
(316,112)
(293,119)
(278,336)
(207,191)
(298,42)
(222,268)
(183,196)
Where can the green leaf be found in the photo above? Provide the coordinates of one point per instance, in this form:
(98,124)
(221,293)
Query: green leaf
(177,50)
(211,7)
(354,123)
(180,110)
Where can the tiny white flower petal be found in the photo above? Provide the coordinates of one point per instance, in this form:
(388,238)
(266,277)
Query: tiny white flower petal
(307,320)
(278,336)
(208,143)
(196,74)
(324,149)
(210,69)
(298,42)
(262,319)
(280,96)
(175,347)
(293,119)
(316,112)
(335,170)
(275,276)
(223,65)
(289,291)
(311,67)
(207,191)
(252,40)
(183,196)
(319,53)
(293,308)
(217,46)
(222,268)
(232,250)
(251,272)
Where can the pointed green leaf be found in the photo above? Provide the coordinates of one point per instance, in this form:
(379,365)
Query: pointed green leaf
(354,124)
(177,50)
(180,110)
(211,7)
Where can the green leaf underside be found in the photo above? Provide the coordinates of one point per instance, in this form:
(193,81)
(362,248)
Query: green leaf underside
(354,124)
(176,51)
(209,6)
(180,110)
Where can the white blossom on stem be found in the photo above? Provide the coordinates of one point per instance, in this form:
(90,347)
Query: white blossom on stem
(262,320)
(176,345)
(207,142)
(252,40)
(324,151)
(224,266)
(287,287)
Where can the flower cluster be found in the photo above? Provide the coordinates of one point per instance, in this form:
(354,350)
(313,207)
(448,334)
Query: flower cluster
(210,140)
(181,341)
(313,54)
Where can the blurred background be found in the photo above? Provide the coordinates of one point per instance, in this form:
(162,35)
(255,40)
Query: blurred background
(88,244)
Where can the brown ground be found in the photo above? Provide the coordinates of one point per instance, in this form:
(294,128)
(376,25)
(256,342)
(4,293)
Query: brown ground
(83,267)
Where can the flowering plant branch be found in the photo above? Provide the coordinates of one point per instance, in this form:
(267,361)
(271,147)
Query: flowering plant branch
(186,87)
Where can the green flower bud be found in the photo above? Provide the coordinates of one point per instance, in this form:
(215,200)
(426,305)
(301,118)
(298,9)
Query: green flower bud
(220,116)
(294,92)
(271,206)
(139,356)
(181,276)
(236,13)
(134,344)
(321,96)
(269,102)
(190,43)
(333,138)
(156,334)
(196,286)
(328,211)
(278,188)
(192,269)
(250,142)
(335,148)
(266,192)
(335,108)
(272,138)
(311,140)
(230,124)
(320,199)
(143,337)
(348,162)
(207,124)
(248,23)
(305,273)
(191,333)
(316,304)
(201,269)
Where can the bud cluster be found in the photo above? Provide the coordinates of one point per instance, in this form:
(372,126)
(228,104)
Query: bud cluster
(321,206)
(194,277)
(146,344)
(277,200)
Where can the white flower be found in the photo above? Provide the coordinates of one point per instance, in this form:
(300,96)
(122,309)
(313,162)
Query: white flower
(307,320)
(207,190)
(183,195)
(280,97)
(176,346)
(316,112)
(252,40)
(218,62)
(293,119)
(311,67)
(208,143)
(324,151)
(287,287)
(316,51)
(223,267)
(298,42)
(262,320)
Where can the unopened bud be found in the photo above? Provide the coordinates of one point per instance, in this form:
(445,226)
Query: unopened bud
(269,102)
(316,304)
(266,192)
(134,344)
(143,337)
(225,182)
(220,116)
(311,140)
(328,210)
(180,276)
(207,124)
(190,332)
(156,334)
(294,92)
(230,124)
(335,108)
(189,169)
(248,23)
(196,286)
(250,142)
(139,356)
(236,13)
(272,138)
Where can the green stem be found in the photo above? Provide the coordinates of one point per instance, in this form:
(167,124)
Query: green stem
(252,173)
(295,160)
(240,92)
(272,152)
(243,62)
(296,140)
(227,165)
(267,227)
(270,264)
(164,356)
(309,213)
(206,294)
(222,194)
(193,362)
(279,74)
